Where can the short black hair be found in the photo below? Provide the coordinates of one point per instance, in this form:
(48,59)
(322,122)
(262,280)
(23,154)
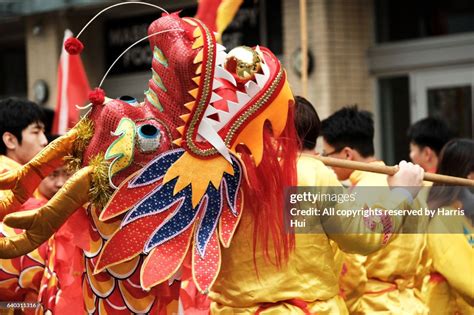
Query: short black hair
(307,123)
(15,115)
(430,132)
(350,127)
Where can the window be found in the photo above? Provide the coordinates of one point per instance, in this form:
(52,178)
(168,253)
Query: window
(404,19)
(452,104)
(394,105)
(13,63)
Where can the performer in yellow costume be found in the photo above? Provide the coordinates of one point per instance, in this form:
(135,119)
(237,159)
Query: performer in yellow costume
(308,282)
(450,289)
(427,137)
(383,281)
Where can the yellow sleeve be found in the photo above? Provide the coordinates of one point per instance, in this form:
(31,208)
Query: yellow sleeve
(351,233)
(453,257)
(354,235)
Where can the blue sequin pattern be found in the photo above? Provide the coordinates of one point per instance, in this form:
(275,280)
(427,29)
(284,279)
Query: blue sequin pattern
(161,199)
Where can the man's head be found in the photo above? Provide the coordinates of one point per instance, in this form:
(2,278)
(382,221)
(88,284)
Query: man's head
(307,123)
(21,129)
(427,138)
(348,134)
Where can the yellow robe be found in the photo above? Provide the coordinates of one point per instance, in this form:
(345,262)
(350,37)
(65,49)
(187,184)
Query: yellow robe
(7,164)
(310,274)
(451,291)
(384,281)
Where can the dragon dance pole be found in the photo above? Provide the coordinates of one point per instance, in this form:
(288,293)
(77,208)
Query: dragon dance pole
(390,170)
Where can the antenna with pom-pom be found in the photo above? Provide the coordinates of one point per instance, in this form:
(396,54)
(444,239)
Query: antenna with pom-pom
(97,96)
(74,46)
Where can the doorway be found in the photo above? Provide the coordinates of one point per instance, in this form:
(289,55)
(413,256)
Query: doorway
(445,93)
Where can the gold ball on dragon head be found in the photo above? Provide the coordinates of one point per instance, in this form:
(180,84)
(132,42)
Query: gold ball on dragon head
(243,62)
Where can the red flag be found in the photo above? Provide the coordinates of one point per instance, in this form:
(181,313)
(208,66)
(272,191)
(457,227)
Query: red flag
(73,89)
(217,14)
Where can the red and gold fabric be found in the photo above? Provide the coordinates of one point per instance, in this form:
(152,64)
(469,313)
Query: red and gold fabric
(117,290)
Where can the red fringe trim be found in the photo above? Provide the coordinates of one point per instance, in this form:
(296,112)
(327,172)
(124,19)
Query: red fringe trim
(264,195)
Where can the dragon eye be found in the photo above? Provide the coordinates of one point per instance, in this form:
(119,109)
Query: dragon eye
(128,99)
(149,137)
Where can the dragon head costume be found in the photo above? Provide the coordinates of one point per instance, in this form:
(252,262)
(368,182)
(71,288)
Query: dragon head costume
(167,179)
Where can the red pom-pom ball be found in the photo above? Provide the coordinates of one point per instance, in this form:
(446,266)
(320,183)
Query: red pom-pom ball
(73,46)
(97,96)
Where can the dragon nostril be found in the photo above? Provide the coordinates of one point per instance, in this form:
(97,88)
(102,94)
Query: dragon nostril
(148,131)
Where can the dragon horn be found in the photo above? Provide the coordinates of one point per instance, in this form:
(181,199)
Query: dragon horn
(40,224)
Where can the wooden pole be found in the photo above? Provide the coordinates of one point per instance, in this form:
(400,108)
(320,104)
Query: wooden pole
(390,170)
(304,49)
